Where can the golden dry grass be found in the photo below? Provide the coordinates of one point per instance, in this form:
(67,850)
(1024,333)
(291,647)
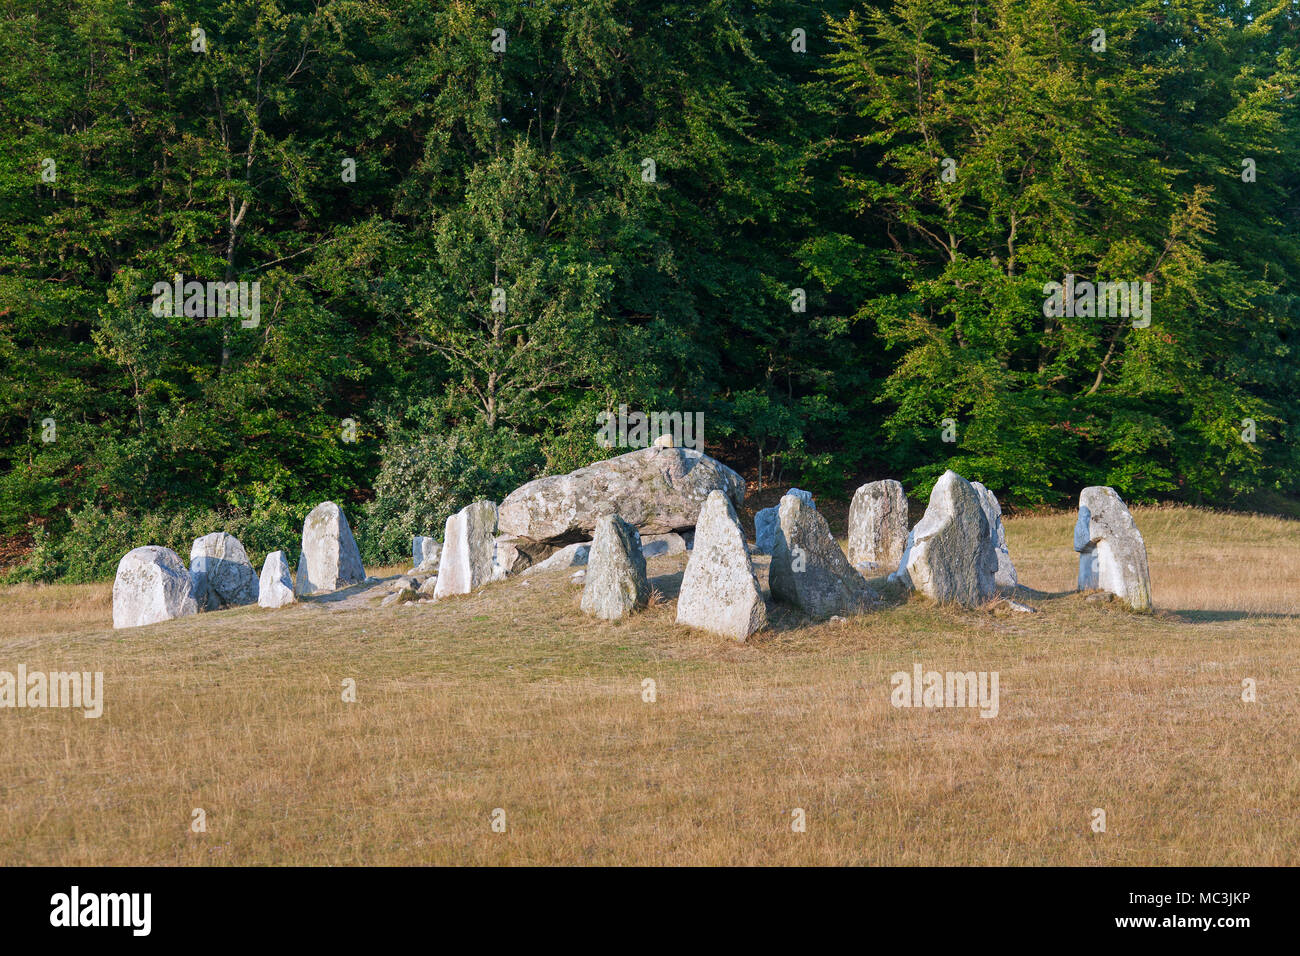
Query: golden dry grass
(512,699)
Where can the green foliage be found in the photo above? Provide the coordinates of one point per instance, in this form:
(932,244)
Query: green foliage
(97,538)
(524,170)
(427,477)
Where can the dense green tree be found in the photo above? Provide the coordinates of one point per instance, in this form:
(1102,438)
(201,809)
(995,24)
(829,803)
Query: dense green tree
(474,225)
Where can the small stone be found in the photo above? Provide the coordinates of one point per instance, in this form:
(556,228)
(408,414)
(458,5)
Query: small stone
(570,556)
(400,597)
(656,545)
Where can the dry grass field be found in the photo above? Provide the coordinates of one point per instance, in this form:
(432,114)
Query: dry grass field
(512,699)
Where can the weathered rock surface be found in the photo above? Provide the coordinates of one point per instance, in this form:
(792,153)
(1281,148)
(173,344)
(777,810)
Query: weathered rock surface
(720,592)
(1112,554)
(570,556)
(152,584)
(425,552)
(330,560)
(950,557)
(767,519)
(1005,577)
(656,545)
(656,490)
(808,569)
(275,588)
(615,584)
(516,555)
(223,575)
(468,550)
(878,525)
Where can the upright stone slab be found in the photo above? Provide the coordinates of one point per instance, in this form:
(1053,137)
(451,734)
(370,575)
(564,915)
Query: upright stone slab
(1005,577)
(467,550)
(330,560)
(275,588)
(424,553)
(1112,554)
(720,592)
(766,521)
(223,575)
(808,569)
(616,584)
(951,558)
(878,525)
(152,584)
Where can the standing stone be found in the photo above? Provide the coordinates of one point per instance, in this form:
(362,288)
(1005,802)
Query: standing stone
(275,588)
(223,575)
(152,584)
(1112,554)
(1006,573)
(616,584)
(950,557)
(808,569)
(878,525)
(330,560)
(424,553)
(766,521)
(720,592)
(467,550)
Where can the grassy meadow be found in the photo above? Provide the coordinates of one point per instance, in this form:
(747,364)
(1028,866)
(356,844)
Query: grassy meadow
(510,698)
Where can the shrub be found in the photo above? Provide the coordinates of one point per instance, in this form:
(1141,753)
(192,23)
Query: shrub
(423,479)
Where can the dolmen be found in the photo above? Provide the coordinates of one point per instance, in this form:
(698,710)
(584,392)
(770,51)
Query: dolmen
(878,525)
(223,575)
(950,555)
(152,584)
(330,560)
(808,569)
(658,490)
(720,591)
(1112,554)
(615,584)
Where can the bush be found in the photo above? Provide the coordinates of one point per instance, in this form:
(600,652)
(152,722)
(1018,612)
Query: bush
(96,540)
(423,479)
